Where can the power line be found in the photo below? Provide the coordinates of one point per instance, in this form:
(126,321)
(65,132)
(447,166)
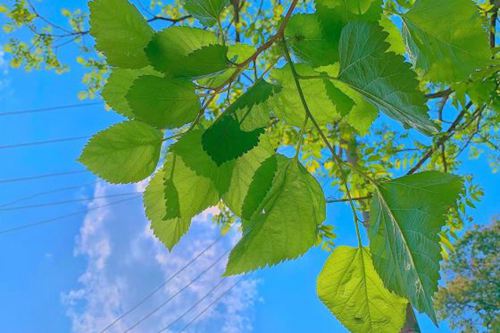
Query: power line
(161,285)
(209,306)
(149,314)
(44,142)
(39,194)
(58,218)
(53,108)
(62,202)
(47,175)
(193,306)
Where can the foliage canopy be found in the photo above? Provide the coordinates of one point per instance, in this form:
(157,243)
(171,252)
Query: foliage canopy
(249,107)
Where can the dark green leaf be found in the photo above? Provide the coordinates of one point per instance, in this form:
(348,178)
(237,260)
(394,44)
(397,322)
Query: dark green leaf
(306,38)
(406,217)
(224,140)
(384,78)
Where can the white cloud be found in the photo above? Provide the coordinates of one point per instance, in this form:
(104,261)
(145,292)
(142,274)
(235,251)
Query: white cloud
(4,71)
(125,262)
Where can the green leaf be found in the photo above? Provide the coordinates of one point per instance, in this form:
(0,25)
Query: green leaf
(120,31)
(333,15)
(206,11)
(239,128)
(285,224)
(394,36)
(224,140)
(189,148)
(243,173)
(352,290)
(208,60)
(287,104)
(446,39)
(351,105)
(163,102)
(170,48)
(171,213)
(124,153)
(353,10)
(305,36)
(343,103)
(117,86)
(406,217)
(384,78)
(237,53)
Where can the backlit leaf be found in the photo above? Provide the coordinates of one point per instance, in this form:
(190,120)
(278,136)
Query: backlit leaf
(193,194)
(285,224)
(446,39)
(117,86)
(352,290)
(206,11)
(383,78)
(170,48)
(124,153)
(164,103)
(120,31)
(406,217)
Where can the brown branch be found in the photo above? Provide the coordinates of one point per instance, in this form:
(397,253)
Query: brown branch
(447,135)
(367,197)
(439,94)
(493,24)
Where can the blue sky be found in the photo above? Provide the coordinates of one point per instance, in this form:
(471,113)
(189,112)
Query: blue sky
(78,273)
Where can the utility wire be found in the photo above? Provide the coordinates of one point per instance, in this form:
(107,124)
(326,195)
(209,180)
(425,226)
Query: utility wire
(39,194)
(161,285)
(209,306)
(57,203)
(172,323)
(53,108)
(47,175)
(58,218)
(149,314)
(45,142)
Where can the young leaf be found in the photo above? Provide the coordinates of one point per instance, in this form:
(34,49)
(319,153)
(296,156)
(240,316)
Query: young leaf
(206,11)
(120,31)
(351,289)
(124,153)
(117,86)
(224,140)
(169,48)
(406,217)
(446,39)
(171,214)
(384,78)
(284,225)
(306,38)
(163,103)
